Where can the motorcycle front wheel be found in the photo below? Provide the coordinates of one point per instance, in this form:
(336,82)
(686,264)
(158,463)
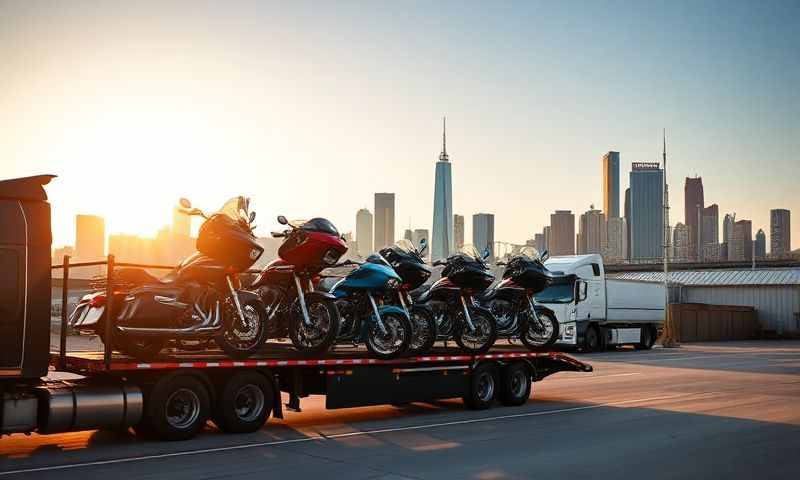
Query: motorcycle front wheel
(538,335)
(481,339)
(241,338)
(423,330)
(394,342)
(317,337)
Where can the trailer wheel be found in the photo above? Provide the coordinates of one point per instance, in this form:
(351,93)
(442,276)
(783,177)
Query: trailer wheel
(515,385)
(176,408)
(244,403)
(647,340)
(482,387)
(591,340)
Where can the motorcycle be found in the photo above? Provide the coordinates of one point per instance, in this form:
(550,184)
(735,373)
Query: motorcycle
(308,317)
(364,317)
(451,298)
(407,261)
(199,300)
(512,301)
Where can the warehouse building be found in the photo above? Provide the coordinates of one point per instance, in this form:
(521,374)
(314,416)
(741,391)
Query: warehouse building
(773,292)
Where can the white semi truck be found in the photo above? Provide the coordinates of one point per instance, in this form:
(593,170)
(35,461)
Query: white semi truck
(595,312)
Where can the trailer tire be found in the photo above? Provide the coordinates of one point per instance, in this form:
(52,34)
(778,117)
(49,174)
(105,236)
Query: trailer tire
(176,408)
(244,403)
(515,385)
(482,388)
(647,340)
(591,339)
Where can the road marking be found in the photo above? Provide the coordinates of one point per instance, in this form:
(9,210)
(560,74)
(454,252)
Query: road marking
(340,435)
(591,377)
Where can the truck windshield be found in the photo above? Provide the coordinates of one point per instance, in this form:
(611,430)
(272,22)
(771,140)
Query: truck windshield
(556,293)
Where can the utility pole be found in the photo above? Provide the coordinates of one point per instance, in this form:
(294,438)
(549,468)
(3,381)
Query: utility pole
(668,339)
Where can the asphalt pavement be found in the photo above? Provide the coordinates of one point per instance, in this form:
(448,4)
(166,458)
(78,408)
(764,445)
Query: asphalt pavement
(723,410)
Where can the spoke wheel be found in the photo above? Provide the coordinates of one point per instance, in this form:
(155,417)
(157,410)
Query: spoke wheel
(423,335)
(242,338)
(394,342)
(481,339)
(321,333)
(541,333)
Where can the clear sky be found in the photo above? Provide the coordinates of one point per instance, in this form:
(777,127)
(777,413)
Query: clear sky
(309,108)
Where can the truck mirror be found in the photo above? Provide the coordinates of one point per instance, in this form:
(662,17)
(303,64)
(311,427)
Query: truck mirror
(583,290)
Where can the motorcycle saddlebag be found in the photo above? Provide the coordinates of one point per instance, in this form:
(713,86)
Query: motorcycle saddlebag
(149,307)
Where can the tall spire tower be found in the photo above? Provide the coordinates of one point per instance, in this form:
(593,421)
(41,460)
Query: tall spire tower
(442,243)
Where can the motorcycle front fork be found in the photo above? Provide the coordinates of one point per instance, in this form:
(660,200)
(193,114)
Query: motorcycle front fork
(465,309)
(301,298)
(534,315)
(235,297)
(378,318)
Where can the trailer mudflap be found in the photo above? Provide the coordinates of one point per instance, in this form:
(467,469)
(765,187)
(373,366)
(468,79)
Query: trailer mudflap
(379,385)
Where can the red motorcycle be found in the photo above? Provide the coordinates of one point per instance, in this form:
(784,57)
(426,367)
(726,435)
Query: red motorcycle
(286,285)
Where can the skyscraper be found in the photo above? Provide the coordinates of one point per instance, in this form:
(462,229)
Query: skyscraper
(562,233)
(761,244)
(693,206)
(384,220)
(483,233)
(726,252)
(780,240)
(628,223)
(740,247)
(680,243)
(617,239)
(538,242)
(592,232)
(546,232)
(458,231)
(90,238)
(442,243)
(611,184)
(364,232)
(710,233)
(646,211)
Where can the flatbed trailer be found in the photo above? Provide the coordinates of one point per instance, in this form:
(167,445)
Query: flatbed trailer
(174,397)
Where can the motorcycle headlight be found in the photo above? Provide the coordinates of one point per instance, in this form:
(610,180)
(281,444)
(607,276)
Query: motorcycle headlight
(392,283)
(330,257)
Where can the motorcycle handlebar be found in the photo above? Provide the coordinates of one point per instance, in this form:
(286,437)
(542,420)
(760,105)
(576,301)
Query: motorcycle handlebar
(437,263)
(278,234)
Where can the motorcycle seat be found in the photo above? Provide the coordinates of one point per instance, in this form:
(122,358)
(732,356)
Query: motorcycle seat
(140,276)
(487,295)
(326,284)
(421,295)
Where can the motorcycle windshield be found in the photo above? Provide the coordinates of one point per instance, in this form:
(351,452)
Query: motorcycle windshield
(406,250)
(237,210)
(322,225)
(530,253)
(470,252)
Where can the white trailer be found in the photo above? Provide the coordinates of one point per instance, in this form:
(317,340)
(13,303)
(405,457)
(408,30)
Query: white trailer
(595,312)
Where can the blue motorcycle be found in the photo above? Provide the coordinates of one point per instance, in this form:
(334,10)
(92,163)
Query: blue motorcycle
(363,315)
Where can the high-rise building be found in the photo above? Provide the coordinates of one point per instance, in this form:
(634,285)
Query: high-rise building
(592,232)
(458,231)
(408,234)
(538,242)
(442,244)
(761,244)
(132,248)
(628,223)
(384,220)
(417,235)
(546,232)
(90,238)
(58,256)
(680,243)
(692,213)
(562,233)
(710,233)
(617,240)
(483,233)
(181,223)
(725,252)
(611,184)
(780,239)
(740,247)
(646,211)
(364,232)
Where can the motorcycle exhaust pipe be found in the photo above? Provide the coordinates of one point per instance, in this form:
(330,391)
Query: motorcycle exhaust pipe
(210,325)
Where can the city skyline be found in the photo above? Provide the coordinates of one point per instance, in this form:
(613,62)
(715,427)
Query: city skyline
(146,100)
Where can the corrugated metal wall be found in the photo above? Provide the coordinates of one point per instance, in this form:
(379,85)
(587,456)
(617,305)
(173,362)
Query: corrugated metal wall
(775,305)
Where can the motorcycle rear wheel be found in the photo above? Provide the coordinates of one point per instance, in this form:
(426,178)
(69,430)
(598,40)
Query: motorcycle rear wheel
(423,330)
(144,349)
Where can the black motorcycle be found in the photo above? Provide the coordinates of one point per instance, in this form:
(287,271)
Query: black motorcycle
(451,298)
(407,261)
(200,300)
(512,301)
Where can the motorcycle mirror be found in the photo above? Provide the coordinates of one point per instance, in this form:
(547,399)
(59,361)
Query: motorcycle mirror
(545,255)
(185,203)
(486,253)
(282,220)
(423,244)
(252,217)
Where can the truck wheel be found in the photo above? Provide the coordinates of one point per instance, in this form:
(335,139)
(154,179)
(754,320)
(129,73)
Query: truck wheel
(244,403)
(177,408)
(515,385)
(591,339)
(482,387)
(647,339)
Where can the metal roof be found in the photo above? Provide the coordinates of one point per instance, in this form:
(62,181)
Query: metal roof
(719,278)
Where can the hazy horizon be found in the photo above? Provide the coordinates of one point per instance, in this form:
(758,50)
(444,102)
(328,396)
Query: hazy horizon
(311,108)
